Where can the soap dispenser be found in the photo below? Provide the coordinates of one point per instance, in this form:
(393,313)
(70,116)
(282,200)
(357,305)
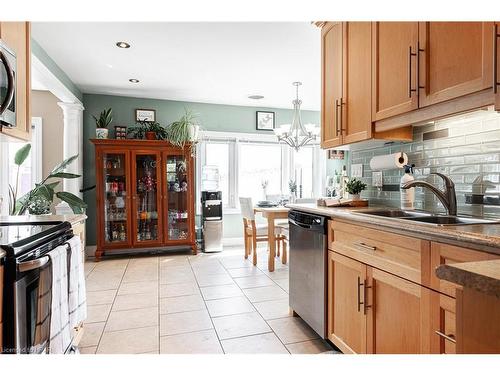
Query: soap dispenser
(407,195)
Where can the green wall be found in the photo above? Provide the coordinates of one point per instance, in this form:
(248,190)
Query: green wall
(50,64)
(213,117)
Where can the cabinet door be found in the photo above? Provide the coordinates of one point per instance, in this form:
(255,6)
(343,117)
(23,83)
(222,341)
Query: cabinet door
(456,59)
(113,199)
(346,315)
(178,198)
(443,324)
(357,121)
(394,68)
(395,313)
(331,71)
(146,198)
(16,35)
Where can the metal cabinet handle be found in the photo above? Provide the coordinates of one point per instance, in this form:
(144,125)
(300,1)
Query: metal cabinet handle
(418,67)
(337,128)
(496,36)
(365,246)
(360,284)
(366,306)
(450,338)
(342,104)
(410,55)
(32,264)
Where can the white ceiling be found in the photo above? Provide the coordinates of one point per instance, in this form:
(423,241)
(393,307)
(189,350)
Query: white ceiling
(202,62)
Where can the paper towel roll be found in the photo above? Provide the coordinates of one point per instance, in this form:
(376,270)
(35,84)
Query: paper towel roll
(392,161)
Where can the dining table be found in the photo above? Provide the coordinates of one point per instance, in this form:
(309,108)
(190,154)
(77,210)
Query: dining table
(272,214)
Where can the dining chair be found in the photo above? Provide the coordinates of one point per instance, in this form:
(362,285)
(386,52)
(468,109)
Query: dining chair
(252,232)
(282,235)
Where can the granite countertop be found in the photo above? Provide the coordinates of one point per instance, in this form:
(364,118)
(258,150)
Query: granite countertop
(482,276)
(72,219)
(482,237)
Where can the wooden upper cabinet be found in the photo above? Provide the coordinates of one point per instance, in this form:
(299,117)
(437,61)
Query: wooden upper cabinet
(346,318)
(17,36)
(456,59)
(356,98)
(331,70)
(394,68)
(395,314)
(496,67)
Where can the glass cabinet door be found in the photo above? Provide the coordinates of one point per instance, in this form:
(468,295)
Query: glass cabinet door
(177,197)
(115,198)
(146,198)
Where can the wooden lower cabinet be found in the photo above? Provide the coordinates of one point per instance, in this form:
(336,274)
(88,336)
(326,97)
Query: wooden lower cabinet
(346,317)
(372,311)
(395,314)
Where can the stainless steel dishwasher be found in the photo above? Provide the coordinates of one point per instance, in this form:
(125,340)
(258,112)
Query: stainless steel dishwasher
(308,274)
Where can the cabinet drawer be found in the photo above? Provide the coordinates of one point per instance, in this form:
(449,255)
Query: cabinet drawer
(448,254)
(394,253)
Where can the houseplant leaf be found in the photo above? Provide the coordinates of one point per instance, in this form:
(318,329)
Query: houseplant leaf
(22,154)
(64,175)
(60,167)
(72,200)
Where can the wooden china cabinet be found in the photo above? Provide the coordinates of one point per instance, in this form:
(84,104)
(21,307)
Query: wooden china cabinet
(145,195)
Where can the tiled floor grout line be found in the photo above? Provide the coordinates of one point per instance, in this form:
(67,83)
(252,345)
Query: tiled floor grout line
(272,330)
(206,307)
(112,303)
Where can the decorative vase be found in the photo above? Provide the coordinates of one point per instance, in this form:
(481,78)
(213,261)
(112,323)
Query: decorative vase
(151,136)
(354,197)
(101,133)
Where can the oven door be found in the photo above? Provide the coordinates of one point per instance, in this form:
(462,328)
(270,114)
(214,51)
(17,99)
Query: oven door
(7,86)
(33,298)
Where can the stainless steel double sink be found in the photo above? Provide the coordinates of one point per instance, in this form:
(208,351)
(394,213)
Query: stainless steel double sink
(426,217)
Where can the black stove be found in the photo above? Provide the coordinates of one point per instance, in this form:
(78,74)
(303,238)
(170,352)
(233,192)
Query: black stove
(27,246)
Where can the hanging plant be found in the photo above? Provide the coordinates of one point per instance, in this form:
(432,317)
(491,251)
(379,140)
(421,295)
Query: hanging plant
(184,131)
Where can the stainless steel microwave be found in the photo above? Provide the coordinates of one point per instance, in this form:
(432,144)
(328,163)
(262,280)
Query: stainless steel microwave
(7,86)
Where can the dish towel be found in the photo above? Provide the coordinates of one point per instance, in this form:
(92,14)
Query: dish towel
(76,291)
(60,337)
(42,328)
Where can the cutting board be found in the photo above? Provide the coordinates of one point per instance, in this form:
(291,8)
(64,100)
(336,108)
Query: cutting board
(346,203)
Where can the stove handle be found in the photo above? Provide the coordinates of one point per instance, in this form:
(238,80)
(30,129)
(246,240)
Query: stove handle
(32,264)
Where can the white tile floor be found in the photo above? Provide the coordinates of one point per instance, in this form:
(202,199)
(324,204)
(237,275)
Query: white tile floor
(177,303)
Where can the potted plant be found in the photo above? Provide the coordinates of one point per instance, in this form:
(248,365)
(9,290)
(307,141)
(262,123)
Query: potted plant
(39,200)
(102,123)
(185,130)
(149,130)
(354,187)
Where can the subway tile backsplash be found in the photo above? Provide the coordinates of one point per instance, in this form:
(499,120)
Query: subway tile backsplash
(470,155)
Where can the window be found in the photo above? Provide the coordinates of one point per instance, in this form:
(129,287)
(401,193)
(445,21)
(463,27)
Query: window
(217,154)
(246,160)
(259,163)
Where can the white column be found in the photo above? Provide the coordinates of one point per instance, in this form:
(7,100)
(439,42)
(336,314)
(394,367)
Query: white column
(72,145)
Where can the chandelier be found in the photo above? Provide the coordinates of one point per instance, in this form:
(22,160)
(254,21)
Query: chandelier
(297,135)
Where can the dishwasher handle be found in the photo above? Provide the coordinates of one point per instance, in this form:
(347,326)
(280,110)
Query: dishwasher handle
(305,226)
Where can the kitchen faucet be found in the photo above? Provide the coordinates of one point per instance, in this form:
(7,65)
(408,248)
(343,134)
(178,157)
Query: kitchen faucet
(447,197)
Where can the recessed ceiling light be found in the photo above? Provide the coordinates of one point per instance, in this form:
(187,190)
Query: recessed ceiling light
(122,45)
(133,80)
(256,97)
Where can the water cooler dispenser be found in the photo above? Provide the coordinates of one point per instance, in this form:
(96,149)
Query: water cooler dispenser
(211,220)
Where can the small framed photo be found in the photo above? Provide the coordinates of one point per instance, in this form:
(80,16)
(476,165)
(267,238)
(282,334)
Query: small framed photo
(148,115)
(265,120)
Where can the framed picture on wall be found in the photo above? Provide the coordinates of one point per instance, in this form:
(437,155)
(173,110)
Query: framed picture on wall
(265,120)
(148,115)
